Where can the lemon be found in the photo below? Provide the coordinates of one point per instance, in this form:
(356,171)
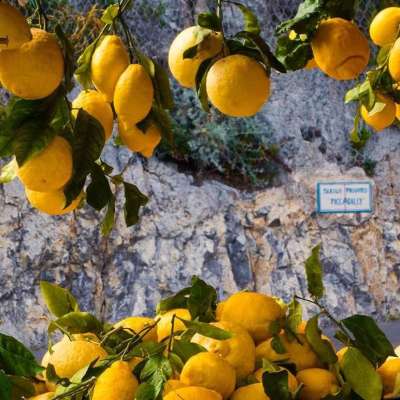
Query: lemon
(138,141)
(193,393)
(390,373)
(394,61)
(40,387)
(52,203)
(238,86)
(171,385)
(13,27)
(292,381)
(133,96)
(35,70)
(384,28)
(164,325)
(211,371)
(398,117)
(311,64)
(317,382)
(253,392)
(50,169)
(239,350)
(340,49)
(137,325)
(44,396)
(255,312)
(109,61)
(299,354)
(184,70)
(381,119)
(94,103)
(68,357)
(218,311)
(116,383)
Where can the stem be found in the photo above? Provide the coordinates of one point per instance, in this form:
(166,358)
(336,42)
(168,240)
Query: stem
(42,14)
(171,337)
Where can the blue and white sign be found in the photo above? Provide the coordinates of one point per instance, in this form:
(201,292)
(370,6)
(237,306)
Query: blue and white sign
(344,197)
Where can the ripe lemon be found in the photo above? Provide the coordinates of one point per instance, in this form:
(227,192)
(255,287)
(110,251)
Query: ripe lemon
(382,119)
(389,372)
(134,93)
(94,103)
(292,381)
(211,371)
(52,203)
(340,49)
(109,61)
(68,356)
(49,170)
(138,141)
(311,64)
(238,86)
(35,70)
(137,325)
(384,28)
(398,117)
(44,396)
(193,393)
(317,382)
(218,311)
(394,61)
(255,312)
(253,392)
(13,27)
(171,385)
(239,351)
(116,383)
(299,354)
(164,325)
(184,70)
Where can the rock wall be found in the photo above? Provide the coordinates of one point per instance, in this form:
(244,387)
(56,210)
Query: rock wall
(234,239)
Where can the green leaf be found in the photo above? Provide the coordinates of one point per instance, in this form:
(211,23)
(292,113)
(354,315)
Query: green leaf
(58,300)
(51,374)
(250,20)
(383,55)
(185,350)
(377,108)
(156,372)
(277,345)
(145,391)
(369,338)
(202,301)
(205,329)
(162,118)
(321,347)
(83,70)
(110,13)
(360,374)
(16,359)
(178,300)
(68,55)
(76,322)
(314,273)
(98,192)
(162,85)
(109,219)
(134,200)
(210,21)
(276,385)
(340,9)
(201,80)
(9,171)
(293,54)
(21,387)
(5,386)
(294,319)
(201,35)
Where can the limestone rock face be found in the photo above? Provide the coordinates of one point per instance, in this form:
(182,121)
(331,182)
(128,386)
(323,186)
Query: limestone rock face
(232,238)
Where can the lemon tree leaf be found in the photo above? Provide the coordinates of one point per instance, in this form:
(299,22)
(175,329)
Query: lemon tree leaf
(16,359)
(76,322)
(202,301)
(276,385)
(201,79)
(9,171)
(294,319)
(58,300)
(201,35)
(163,91)
(178,300)
(209,21)
(145,391)
(22,388)
(369,338)
(205,329)
(98,192)
(293,54)
(156,373)
(313,268)
(250,20)
(82,72)
(68,55)
(109,218)
(339,8)
(185,350)
(134,200)
(277,345)
(110,13)
(361,375)
(5,386)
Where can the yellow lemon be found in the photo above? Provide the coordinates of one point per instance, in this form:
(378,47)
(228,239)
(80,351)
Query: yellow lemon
(384,28)
(340,49)
(253,392)
(297,353)
(94,103)
(50,169)
(394,61)
(43,396)
(133,96)
(137,325)
(13,28)
(184,70)
(68,357)
(40,387)
(398,117)
(317,382)
(210,371)
(116,383)
(311,64)
(239,351)
(292,381)
(164,325)
(238,86)
(193,393)
(218,311)
(35,70)
(390,373)
(255,312)
(109,61)
(138,141)
(52,203)
(171,385)
(382,119)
